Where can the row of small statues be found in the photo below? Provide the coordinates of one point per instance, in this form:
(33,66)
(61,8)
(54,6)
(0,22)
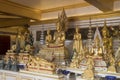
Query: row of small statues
(58,38)
(101,51)
(23,41)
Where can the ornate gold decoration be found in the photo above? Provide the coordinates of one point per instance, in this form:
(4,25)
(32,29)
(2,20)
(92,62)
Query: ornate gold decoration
(38,64)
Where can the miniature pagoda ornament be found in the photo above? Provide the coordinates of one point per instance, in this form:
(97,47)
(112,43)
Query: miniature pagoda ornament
(90,37)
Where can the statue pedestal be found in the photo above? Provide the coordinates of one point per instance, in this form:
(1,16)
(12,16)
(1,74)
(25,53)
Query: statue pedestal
(100,65)
(56,54)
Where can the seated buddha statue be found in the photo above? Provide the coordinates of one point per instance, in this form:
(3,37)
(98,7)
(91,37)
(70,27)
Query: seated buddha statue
(48,38)
(59,35)
(97,49)
(56,49)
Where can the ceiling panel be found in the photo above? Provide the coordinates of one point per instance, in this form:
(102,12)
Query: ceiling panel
(46,4)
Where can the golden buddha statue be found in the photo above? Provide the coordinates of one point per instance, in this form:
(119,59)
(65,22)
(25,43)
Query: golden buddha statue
(48,38)
(97,49)
(56,48)
(79,53)
(77,44)
(88,74)
(77,58)
(107,42)
(59,35)
(74,63)
(105,34)
(111,68)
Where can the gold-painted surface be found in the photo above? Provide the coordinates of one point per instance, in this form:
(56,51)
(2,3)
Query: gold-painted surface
(48,38)
(77,44)
(88,74)
(78,49)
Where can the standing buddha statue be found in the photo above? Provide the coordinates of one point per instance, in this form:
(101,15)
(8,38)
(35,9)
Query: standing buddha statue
(105,39)
(105,34)
(108,49)
(78,50)
(77,44)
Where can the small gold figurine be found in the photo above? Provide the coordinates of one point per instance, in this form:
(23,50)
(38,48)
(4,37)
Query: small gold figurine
(74,62)
(89,72)
(78,50)
(107,42)
(111,68)
(48,38)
